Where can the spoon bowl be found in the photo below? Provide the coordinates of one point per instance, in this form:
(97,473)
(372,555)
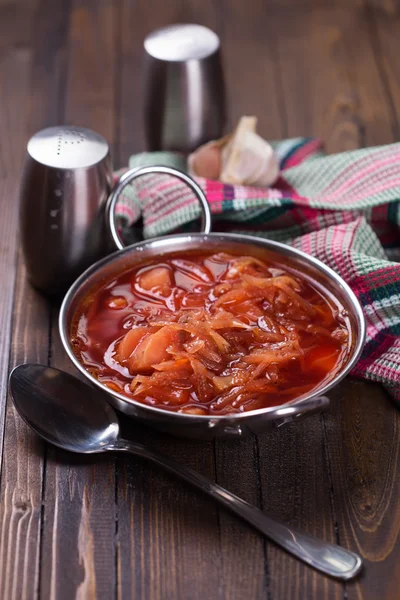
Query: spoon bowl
(64,410)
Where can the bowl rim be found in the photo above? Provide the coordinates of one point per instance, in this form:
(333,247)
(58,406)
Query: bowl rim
(159,243)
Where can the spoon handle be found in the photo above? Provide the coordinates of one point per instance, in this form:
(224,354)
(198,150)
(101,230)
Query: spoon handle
(328,558)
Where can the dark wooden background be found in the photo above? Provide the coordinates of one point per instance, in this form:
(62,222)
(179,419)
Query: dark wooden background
(116,527)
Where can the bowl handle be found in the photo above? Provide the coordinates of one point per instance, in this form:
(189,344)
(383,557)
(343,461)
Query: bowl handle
(287,414)
(136,172)
(280,416)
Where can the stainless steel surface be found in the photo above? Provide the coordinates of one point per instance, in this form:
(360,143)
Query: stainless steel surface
(74,416)
(135,174)
(181,42)
(66,181)
(208,427)
(67,147)
(184,102)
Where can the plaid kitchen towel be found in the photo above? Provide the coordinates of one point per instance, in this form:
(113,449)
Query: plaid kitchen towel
(343,208)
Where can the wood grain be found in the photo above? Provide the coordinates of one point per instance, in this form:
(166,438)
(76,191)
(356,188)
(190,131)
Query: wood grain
(90,95)
(23,464)
(21,454)
(330,78)
(15,61)
(168,537)
(296,488)
(48,78)
(363,438)
(249,54)
(78,557)
(22,469)
(384,41)
(245,570)
(388,7)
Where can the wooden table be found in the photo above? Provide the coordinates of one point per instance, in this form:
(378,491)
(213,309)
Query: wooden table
(117,527)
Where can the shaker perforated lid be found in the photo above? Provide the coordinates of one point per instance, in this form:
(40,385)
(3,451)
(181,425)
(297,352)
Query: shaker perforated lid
(67,147)
(181,42)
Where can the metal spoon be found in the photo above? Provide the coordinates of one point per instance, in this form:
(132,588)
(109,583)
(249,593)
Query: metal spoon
(74,416)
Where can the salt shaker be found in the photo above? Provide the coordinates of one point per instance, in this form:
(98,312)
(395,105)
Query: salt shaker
(184,92)
(66,181)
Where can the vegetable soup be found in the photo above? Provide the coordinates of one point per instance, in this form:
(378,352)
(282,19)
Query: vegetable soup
(211,333)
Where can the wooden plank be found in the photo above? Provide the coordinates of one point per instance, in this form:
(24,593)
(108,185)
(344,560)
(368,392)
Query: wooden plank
(49,68)
(20,494)
(331,85)
(374,111)
(295,488)
(78,527)
(250,66)
(90,98)
(78,556)
(244,564)
(348,106)
(168,537)
(373,495)
(22,469)
(384,40)
(363,435)
(388,7)
(15,61)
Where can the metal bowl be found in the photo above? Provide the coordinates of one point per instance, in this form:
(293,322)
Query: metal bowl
(205,426)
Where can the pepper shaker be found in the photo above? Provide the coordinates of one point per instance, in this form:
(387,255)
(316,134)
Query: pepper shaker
(66,181)
(184,94)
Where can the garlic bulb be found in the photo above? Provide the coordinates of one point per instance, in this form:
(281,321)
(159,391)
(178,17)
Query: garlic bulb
(242,158)
(247,158)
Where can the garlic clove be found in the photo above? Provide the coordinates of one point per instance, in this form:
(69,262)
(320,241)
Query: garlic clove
(241,158)
(206,161)
(247,159)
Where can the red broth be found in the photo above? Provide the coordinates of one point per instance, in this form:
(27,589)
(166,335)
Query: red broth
(211,333)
